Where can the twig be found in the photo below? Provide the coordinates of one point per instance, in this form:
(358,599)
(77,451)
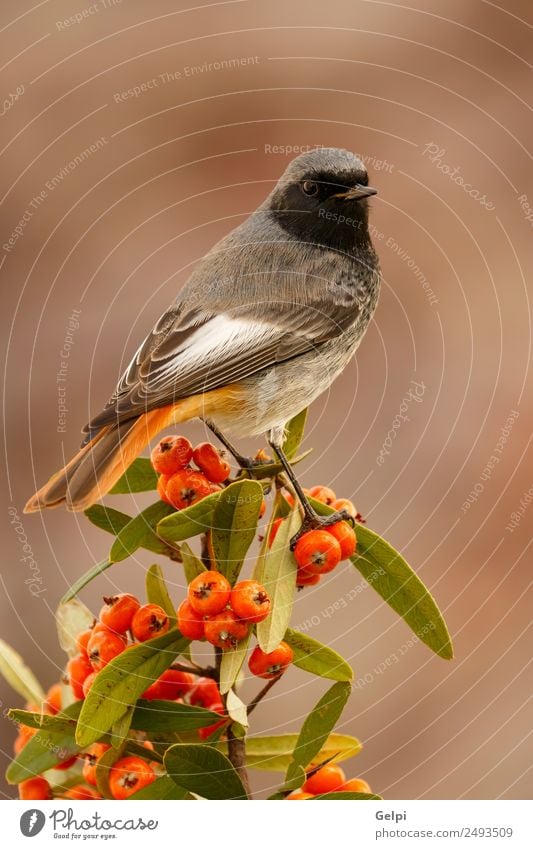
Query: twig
(204,555)
(205,672)
(261,694)
(237,756)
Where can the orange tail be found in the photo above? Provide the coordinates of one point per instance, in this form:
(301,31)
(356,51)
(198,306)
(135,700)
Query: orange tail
(97,467)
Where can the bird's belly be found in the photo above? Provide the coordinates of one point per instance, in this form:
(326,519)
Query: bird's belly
(271,398)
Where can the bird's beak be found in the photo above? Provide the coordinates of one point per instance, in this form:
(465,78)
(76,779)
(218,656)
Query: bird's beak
(357,192)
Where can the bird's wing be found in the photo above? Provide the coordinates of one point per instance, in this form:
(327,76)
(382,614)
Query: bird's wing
(190,352)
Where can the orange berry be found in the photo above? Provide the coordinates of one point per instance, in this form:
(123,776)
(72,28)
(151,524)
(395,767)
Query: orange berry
(345,504)
(345,536)
(250,601)
(209,593)
(170,685)
(210,462)
(35,789)
(87,684)
(355,785)
(262,509)
(128,775)
(206,732)
(299,794)
(172,454)
(90,763)
(190,623)
(272,664)
(318,552)
(149,621)
(82,640)
(325,780)
(66,764)
(186,488)
(323,494)
(276,524)
(80,792)
(224,630)
(204,693)
(162,482)
(52,702)
(78,668)
(118,611)
(103,646)
(304,578)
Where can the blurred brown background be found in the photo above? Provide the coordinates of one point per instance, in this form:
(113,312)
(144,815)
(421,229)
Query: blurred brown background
(133,137)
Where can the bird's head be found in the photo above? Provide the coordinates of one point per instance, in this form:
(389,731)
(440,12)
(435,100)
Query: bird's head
(323,197)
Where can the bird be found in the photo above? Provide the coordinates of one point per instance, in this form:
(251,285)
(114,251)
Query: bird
(269,317)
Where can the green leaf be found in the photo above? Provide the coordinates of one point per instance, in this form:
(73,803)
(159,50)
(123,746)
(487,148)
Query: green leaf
(57,724)
(107,519)
(122,681)
(85,579)
(18,675)
(237,709)
(194,520)
(231,663)
(274,753)
(297,778)
(393,579)
(140,533)
(345,796)
(121,729)
(157,592)
(161,788)
(160,715)
(139,477)
(103,770)
(235,521)
(278,576)
(316,658)
(294,434)
(43,751)
(203,770)
(192,564)
(318,726)
(72,617)
(270,470)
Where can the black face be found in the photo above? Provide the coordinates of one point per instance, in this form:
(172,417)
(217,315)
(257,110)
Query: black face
(325,207)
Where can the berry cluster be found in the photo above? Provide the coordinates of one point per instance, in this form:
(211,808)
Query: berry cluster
(329,779)
(179,484)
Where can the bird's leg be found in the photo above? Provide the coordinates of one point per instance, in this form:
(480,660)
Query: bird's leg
(311,518)
(246,463)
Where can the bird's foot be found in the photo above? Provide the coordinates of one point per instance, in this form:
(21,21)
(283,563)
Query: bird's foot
(312,521)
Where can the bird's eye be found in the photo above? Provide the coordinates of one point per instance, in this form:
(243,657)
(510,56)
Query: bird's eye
(309,188)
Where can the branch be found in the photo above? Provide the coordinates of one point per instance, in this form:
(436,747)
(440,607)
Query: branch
(262,693)
(237,756)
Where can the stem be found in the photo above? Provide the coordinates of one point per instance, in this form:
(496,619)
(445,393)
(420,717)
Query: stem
(262,693)
(204,555)
(205,672)
(237,756)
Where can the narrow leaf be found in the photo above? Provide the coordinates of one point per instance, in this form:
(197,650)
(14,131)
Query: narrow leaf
(103,769)
(121,729)
(237,709)
(205,771)
(107,518)
(386,571)
(157,592)
(231,664)
(194,520)
(85,579)
(122,681)
(72,617)
(161,788)
(316,658)
(278,576)
(43,751)
(18,675)
(140,533)
(192,564)
(318,726)
(235,521)
(160,716)
(139,477)
(57,724)
(294,434)
(274,753)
